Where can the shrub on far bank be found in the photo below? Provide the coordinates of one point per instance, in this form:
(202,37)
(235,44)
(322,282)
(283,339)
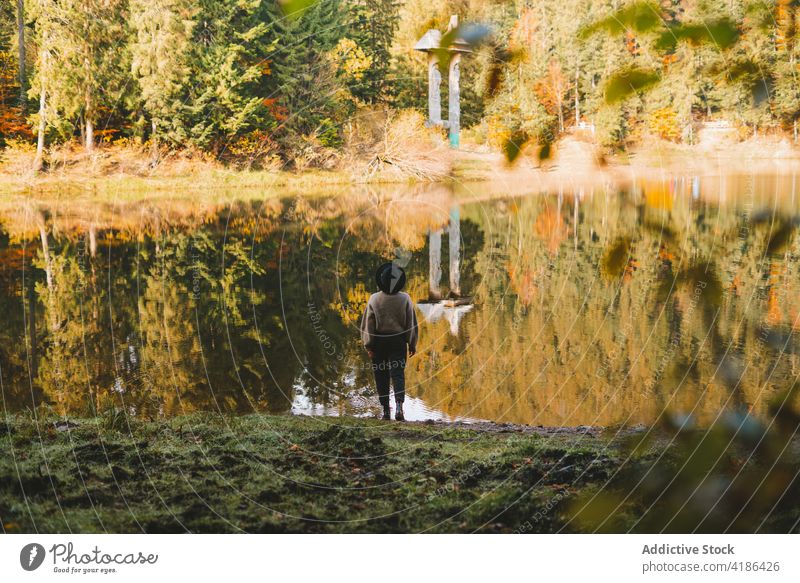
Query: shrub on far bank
(17,157)
(374,142)
(399,147)
(123,158)
(256,150)
(663,122)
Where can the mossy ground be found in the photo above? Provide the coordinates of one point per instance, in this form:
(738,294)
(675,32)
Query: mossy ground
(290,474)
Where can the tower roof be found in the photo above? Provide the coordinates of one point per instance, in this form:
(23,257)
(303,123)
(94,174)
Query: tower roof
(430,41)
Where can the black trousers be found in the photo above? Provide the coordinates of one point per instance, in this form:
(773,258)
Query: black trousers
(389,364)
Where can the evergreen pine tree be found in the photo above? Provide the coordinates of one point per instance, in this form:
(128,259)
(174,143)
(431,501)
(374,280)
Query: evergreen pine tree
(372,26)
(303,77)
(161,47)
(87,50)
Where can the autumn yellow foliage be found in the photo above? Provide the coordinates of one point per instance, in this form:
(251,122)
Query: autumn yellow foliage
(663,123)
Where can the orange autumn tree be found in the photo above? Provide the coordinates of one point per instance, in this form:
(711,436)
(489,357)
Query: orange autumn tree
(12,120)
(552,90)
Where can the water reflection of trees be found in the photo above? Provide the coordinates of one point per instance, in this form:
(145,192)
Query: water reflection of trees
(164,314)
(612,308)
(589,308)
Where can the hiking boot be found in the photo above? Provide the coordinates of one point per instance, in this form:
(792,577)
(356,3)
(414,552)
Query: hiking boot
(387,414)
(398,414)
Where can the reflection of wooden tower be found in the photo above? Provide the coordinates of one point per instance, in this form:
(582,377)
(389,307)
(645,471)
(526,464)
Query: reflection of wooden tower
(451,311)
(455,306)
(454,258)
(431,43)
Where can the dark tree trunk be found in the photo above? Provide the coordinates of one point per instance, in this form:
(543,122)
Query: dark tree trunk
(577,96)
(48,266)
(154,140)
(39,160)
(21,51)
(34,357)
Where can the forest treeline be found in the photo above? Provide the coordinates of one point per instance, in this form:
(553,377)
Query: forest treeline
(265,79)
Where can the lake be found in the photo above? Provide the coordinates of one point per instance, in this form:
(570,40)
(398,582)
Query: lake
(585,306)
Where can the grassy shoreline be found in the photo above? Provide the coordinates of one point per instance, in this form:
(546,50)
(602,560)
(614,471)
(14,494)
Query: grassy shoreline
(134,187)
(574,162)
(292,474)
(261,473)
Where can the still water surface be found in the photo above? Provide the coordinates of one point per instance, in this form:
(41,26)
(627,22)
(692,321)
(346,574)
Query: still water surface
(582,307)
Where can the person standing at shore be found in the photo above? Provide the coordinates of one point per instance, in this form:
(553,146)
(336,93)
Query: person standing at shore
(389,332)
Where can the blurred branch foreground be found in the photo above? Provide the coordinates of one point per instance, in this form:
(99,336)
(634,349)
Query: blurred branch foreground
(739,476)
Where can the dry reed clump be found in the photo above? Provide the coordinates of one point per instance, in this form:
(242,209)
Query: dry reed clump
(16,159)
(398,146)
(122,158)
(311,153)
(184,162)
(256,150)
